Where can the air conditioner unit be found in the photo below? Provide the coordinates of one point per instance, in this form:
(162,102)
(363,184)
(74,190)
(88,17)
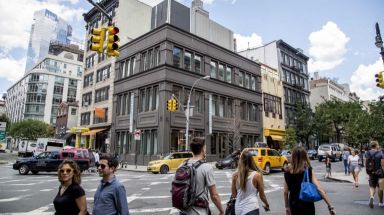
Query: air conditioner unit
(86,104)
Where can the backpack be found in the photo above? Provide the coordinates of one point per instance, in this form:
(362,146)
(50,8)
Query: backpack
(370,163)
(184,186)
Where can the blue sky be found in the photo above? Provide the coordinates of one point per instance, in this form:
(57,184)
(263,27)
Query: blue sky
(337,35)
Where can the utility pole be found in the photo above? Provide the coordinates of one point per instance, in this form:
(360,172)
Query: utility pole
(379,41)
(99,8)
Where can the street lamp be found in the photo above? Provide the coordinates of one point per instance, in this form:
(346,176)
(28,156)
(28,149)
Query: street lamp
(379,41)
(187,121)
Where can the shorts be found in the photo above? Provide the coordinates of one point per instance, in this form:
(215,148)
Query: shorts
(355,169)
(373,181)
(328,169)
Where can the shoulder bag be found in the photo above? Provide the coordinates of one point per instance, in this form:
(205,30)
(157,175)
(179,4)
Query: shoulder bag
(308,192)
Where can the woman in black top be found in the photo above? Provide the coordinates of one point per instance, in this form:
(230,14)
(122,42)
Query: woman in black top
(70,200)
(292,185)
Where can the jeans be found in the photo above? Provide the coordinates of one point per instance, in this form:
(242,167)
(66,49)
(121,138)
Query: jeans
(346,169)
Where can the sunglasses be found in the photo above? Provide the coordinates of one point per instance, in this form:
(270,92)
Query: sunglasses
(66,170)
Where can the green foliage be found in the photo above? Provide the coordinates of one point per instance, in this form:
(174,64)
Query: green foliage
(376,121)
(31,129)
(304,123)
(290,138)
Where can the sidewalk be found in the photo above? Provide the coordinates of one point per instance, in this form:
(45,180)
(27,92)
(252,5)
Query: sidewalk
(341,177)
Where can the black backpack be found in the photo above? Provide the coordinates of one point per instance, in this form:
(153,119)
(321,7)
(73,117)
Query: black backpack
(184,186)
(370,163)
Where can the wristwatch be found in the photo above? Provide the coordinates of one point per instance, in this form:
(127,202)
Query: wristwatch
(330,208)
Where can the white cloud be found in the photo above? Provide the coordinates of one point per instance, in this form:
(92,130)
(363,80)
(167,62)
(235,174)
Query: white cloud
(244,42)
(363,81)
(208,1)
(327,47)
(17,17)
(12,70)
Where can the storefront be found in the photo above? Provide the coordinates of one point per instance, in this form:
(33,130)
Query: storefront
(274,138)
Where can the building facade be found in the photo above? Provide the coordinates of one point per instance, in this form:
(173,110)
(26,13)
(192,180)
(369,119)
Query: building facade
(2,107)
(273,111)
(47,28)
(55,79)
(67,116)
(164,64)
(291,63)
(133,18)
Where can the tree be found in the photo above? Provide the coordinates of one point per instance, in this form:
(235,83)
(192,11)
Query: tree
(290,138)
(233,129)
(376,122)
(4,118)
(357,127)
(31,129)
(304,123)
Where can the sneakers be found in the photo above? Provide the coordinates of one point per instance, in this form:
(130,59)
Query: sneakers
(381,204)
(371,202)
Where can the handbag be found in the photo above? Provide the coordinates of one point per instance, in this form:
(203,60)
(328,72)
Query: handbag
(308,192)
(230,210)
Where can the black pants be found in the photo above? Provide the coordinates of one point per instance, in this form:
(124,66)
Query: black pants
(254,212)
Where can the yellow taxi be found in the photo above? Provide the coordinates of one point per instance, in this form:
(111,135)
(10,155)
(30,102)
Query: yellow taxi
(267,159)
(170,162)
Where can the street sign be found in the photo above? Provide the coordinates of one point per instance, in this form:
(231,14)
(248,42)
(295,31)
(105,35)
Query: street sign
(137,134)
(3,126)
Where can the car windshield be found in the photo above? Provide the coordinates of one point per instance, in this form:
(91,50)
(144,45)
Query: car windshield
(324,148)
(285,153)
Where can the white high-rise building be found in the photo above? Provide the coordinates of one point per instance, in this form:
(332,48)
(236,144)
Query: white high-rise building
(47,27)
(54,79)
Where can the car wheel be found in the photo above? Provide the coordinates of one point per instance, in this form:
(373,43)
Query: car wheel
(267,168)
(35,172)
(285,165)
(164,169)
(23,170)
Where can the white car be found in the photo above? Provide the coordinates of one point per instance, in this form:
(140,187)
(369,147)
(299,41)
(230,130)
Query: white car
(329,150)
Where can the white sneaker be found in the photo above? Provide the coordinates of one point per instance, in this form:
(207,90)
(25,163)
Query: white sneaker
(381,204)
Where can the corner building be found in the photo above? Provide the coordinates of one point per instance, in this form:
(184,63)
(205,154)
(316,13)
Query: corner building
(167,61)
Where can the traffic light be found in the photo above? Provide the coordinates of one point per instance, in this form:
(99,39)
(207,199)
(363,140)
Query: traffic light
(169,105)
(174,105)
(97,39)
(112,40)
(379,80)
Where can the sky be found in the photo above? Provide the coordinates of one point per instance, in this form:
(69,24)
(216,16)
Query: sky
(337,35)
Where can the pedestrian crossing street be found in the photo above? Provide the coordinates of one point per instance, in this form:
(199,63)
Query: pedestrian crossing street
(147,193)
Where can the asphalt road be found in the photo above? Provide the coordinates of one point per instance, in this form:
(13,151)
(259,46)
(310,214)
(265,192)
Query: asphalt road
(150,194)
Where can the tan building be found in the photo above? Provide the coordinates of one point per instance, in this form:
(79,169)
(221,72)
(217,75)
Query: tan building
(273,120)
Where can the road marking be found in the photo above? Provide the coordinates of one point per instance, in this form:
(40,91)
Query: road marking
(25,190)
(145,188)
(45,190)
(156,183)
(4,182)
(14,198)
(25,184)
(91,190)
(150,211)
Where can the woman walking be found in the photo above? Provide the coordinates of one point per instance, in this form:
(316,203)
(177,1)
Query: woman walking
(353,161)
(293,176)
(70,200)
(246,183)
(328,167)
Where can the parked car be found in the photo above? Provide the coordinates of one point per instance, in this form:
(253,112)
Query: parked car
(50,161)
(312,154)
(267,158)
(287,154)
(228,162)
(331,151)
(170,162)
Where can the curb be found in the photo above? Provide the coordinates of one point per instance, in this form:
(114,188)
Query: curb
(132,170)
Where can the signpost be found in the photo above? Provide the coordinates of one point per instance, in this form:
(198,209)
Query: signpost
(3,138)
(137,135)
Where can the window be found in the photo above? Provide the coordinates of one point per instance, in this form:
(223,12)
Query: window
(213,69)
(103,74)
(198,102)
(253,83)
(197,63)
(176,56)
(187,60)
(149,99)
(85,118)
(221,72)
(246,82)
(228,74)
(102,94)
(149,143)
(87,99)
(102,119)
(73,111)
(88,80)
(241,79)
(249,111)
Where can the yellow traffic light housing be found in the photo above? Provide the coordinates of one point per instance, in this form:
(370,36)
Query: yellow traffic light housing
(112,45)
(170,105)
(379,80)
(174,105)
(97,39)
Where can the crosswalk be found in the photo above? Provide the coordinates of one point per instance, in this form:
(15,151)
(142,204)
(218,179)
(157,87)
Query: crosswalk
(146,193)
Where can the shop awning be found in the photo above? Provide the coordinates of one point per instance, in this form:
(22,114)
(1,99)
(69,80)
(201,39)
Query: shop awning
(277,137)
(93,132)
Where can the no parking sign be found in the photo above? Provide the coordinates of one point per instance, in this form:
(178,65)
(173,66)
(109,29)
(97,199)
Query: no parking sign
(137,134)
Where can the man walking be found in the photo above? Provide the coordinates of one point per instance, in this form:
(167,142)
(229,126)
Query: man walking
(345,156)
(205,182)
(373,161)
(110,197)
